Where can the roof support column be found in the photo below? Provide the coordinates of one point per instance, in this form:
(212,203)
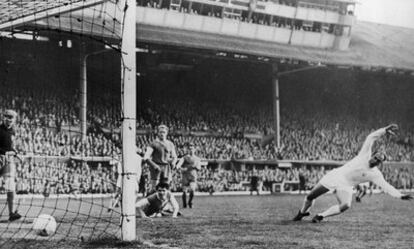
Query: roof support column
(276,104)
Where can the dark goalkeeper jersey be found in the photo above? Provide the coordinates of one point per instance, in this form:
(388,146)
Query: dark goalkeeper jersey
(5,139)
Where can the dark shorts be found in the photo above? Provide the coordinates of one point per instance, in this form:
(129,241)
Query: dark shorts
(187,180)
(254,185)
(4,165)
(164,173)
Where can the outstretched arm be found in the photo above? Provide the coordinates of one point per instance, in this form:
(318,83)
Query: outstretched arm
(148,153)
(140,207)
(174,157)
(388,188)
(374,136)
(175,206)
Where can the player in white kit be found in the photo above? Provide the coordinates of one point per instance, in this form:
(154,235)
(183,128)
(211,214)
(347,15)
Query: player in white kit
(362,168)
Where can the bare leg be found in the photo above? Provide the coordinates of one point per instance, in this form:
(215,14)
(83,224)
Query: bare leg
(363,193)
(11,190)
(154,184)
(192,189)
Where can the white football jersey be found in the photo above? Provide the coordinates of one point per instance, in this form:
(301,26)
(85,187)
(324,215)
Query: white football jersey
(358,171)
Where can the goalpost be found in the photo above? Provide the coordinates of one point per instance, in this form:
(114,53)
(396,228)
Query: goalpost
(129,122)
(104,24)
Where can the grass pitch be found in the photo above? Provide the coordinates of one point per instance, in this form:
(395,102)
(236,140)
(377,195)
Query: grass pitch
(380,221)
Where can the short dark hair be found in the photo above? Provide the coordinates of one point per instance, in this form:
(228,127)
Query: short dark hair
(163,185)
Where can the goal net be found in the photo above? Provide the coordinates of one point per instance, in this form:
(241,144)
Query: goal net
(63,67)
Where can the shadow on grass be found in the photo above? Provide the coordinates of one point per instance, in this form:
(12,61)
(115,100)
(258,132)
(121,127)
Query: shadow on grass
(111,242)
(290,223)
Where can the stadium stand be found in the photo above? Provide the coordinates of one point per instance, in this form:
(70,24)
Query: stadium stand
(219,133)
(235,14)
(228,125)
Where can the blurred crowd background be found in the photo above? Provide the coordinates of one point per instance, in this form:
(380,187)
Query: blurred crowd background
(223,107)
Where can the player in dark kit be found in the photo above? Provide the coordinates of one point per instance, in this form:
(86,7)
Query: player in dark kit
(254,183)
(161,158)
(7,165)
(189,165)
(361,190)
(160,202)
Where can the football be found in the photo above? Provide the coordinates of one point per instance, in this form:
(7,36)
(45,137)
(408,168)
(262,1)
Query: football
(44,225)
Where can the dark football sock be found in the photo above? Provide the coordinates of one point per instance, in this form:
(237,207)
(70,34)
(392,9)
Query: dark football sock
(10,201)
(185,199)
(191,197)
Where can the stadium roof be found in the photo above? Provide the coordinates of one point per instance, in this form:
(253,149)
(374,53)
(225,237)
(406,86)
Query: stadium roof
(324,1)
(372,45)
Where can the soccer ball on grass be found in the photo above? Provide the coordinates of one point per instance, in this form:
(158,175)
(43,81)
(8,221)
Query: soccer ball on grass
(44,225)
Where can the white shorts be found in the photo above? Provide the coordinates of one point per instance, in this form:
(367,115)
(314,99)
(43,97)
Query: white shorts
(334,181)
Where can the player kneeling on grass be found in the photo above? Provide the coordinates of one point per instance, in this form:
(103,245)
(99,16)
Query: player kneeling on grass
(160,203)
(362,168)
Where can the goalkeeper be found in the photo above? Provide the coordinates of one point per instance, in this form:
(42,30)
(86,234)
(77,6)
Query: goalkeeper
(7,165)
(362,168)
